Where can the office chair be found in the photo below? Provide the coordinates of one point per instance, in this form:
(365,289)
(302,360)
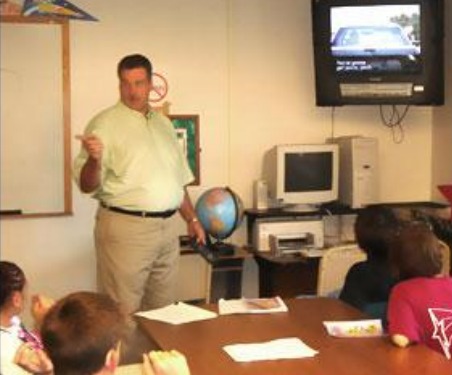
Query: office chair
(333,268)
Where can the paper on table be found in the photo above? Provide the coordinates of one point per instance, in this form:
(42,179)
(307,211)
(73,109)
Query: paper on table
(178,313)
(251,306)
(286,348)
(355,328)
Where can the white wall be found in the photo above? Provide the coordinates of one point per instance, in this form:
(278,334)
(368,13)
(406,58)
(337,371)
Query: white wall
(246,68)
(442,121)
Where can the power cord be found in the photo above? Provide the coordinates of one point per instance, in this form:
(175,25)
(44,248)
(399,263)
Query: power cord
(393,120)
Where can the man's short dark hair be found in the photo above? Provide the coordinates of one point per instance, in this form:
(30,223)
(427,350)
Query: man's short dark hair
(416,251)
(79,331)
(135,61)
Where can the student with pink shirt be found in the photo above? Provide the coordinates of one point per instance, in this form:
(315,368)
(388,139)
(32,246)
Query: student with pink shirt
(417,259)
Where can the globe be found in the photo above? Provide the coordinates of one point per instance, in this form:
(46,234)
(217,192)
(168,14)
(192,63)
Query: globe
(220,212)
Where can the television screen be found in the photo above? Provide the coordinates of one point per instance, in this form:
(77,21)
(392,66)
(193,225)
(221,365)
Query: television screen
(376,38)
(378,51)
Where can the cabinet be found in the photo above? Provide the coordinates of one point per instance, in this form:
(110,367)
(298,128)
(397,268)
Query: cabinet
(207,276)
(225,276)
(192,277)
(403,209)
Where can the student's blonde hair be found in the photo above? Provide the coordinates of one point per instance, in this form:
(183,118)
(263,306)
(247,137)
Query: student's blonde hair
(415,251)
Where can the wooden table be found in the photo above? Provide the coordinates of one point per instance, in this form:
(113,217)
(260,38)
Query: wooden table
(202,343)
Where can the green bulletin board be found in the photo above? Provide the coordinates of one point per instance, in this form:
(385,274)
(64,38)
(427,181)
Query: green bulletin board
(187,128)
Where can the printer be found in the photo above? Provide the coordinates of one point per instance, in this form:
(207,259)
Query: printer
(288,235)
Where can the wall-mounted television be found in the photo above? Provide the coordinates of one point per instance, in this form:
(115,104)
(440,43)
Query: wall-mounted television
(301,177)
(378,52)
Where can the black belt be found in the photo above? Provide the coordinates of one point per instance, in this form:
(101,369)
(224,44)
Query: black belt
(158,214)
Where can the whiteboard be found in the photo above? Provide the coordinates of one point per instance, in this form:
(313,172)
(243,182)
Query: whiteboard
(32,174)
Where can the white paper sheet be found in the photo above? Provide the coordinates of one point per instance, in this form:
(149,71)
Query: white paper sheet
(355,328)
(285,348)
(251,306)
(178,313)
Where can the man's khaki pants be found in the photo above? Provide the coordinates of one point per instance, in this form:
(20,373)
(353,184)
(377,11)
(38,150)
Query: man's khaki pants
(137,259)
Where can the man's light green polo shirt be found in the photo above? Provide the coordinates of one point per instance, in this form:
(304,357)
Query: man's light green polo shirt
(143,166)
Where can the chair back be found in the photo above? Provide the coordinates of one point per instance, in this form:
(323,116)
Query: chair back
(445,249)
(333,268)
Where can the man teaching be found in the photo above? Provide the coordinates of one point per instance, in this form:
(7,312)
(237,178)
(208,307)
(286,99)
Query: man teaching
(131,162)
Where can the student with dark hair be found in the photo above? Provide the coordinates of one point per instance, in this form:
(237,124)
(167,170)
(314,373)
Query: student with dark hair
(82,335)
(368,283)
(417,259)
(19,345)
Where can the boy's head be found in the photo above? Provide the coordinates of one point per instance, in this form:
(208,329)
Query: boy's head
(12,281)
(416,251)
(81,333)
(374,228)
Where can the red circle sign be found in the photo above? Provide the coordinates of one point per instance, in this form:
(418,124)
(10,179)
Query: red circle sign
(159,88)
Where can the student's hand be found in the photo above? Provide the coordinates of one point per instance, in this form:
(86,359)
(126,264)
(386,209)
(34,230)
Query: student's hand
(165,363)
(39,306)
(400,340)
(33,360)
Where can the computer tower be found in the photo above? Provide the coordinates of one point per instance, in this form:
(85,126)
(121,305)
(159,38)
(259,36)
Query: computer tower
(358,170)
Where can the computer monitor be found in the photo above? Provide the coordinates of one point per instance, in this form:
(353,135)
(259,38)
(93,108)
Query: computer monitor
(302,176)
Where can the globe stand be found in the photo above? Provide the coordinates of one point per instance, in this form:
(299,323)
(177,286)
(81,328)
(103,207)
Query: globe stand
(221,248)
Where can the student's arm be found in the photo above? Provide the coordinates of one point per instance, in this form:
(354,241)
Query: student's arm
(400,340)
(403,328)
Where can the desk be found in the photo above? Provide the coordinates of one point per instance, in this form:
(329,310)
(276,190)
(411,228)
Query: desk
(338,209)
(287,276)
(202,343)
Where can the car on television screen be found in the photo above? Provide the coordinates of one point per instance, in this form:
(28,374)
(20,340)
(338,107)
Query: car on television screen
(373,40)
